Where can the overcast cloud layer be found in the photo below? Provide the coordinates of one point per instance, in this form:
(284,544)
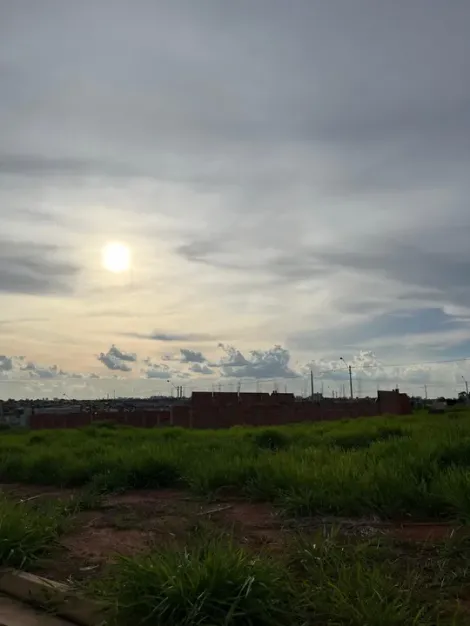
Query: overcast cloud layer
(292,180)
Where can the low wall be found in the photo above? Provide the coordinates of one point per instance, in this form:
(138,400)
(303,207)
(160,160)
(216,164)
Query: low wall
(137,419)
(208,410)
(216,415)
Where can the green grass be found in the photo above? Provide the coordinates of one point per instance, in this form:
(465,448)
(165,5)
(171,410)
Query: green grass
(26,533)
(405,466)
(413,467)
(356,584)
(214,583)
(325,580)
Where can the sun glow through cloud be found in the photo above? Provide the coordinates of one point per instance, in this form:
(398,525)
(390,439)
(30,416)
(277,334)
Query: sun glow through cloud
(116,257)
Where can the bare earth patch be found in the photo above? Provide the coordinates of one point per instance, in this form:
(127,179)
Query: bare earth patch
(133,522)
(427,531)
(26,493)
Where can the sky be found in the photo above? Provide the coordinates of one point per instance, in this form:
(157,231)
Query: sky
(291,182)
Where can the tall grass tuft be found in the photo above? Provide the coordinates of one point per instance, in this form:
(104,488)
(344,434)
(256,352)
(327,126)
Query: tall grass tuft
(215,584)
(26,534)
(351,584)
(270,439)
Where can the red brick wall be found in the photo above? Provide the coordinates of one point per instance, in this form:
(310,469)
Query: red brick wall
(139,419)
(181,415)
(271,414)
(221,410)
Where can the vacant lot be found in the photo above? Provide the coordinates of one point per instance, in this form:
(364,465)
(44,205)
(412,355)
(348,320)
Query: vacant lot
(357,522)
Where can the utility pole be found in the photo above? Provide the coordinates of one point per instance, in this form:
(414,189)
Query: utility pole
(466,385)
(311,384)
(425,392)
(350,377)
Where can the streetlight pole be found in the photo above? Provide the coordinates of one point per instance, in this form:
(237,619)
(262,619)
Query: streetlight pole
(179,390)
(466,384)
(350,377)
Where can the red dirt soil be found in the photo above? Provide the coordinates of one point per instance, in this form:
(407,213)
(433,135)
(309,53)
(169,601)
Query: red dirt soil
(133,522)
(426,531)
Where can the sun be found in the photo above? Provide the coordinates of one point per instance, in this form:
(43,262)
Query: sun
(116,257)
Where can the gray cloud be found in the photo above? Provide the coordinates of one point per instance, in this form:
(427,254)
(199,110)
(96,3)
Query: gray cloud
(435,267)
(161,371)
(158,371)
(191,356)
(370,85)
(43,165)
(22,320)
(121,355)
(113,362)
(34,268)
(16,368)
(42,371)
(197,368)
(233,358)
(333,188)
(273,363)
(6,363)
(168,337)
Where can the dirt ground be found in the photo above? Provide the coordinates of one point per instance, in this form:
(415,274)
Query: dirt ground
(133,522)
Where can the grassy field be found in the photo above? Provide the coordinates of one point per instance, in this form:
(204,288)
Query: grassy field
(369,475)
